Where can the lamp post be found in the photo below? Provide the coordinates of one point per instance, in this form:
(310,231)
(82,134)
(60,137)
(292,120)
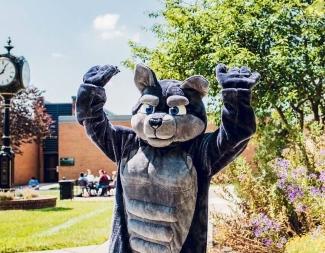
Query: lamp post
(14,76)
(6,153)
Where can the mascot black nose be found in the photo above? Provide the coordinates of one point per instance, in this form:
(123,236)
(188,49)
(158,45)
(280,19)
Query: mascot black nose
(155,122)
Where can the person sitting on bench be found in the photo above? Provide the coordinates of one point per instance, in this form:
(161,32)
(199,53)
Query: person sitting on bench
(83,184)
(33,183)
(103,182)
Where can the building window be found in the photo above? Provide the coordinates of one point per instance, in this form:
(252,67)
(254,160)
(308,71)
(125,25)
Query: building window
(67,161)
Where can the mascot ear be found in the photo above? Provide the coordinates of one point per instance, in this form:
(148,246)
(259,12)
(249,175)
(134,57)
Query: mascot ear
(197,83)
(144,77)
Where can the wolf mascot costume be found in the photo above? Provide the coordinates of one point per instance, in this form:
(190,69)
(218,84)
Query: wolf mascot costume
(166,160)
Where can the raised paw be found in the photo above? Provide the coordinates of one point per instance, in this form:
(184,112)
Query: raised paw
(100,75)
(236,77)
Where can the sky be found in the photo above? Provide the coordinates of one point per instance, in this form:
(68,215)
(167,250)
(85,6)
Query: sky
(61,40)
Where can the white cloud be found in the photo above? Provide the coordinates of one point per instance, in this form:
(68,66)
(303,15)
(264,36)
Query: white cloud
(106,25)
(108,28)
(106,22)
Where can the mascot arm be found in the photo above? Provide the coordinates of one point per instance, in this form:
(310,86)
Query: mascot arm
(110,139)
(237,120)
(238,125)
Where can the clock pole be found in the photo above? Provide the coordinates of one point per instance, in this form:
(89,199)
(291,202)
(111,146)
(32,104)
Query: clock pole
(6,153)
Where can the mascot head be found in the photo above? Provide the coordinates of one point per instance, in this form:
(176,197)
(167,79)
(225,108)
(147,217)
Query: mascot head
(168,111)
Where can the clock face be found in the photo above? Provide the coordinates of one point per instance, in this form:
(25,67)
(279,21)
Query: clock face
(7,71)
(26,74)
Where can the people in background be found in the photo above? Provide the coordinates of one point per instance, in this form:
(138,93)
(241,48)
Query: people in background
(82,178)
(103,178)
(90,177)
(33,183)
(108,176)
(103,182)
(83,183)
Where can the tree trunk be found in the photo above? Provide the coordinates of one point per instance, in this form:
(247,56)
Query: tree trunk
(315,109)
(282,116)
(301,120)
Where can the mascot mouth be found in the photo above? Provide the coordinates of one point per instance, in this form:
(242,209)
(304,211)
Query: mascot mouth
(162,139)
(159,142)
(156,135)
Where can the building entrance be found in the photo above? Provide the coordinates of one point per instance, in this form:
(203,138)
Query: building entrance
(50,170)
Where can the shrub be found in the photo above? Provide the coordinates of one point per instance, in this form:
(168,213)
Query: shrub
(6,195)
(26,193)
(313,242)
(280,197)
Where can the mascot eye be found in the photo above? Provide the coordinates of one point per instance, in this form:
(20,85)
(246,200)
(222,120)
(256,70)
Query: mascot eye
(147,109)
(177,110)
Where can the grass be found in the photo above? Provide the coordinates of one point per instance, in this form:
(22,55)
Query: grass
(69,224)
(306,244)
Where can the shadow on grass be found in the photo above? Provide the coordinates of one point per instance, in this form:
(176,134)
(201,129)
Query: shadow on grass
(53,209)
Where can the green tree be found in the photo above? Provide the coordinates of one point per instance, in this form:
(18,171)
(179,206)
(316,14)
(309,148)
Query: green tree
(283,40)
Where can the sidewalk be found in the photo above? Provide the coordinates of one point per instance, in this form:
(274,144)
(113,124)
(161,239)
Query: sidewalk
(103,248)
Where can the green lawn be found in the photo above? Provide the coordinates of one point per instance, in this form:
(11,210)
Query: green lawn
(69,224)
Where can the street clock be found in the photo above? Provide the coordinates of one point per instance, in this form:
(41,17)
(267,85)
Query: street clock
(14,72)
(14,76)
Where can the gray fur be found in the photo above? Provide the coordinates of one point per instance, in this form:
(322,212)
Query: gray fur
(144,177)
(137,123)
(188,127)
(151,231)
(161,193)
(165,131)
(149,99)
(173,129)
(143,77)
(198,83)
(150,211)
(143,246)
(176,100)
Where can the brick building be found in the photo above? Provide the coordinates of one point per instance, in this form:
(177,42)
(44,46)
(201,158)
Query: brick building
(78,153)
(66,153)
(69,151)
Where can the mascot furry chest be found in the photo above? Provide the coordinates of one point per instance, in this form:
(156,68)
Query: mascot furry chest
(165,161)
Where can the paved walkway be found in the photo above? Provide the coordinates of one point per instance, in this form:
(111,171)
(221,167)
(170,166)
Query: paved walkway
(103,248)
(216,204)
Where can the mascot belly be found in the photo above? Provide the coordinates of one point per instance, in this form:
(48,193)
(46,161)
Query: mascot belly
(158,190)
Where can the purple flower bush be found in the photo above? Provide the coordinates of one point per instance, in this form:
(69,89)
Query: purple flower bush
(282,196)
(300,186)
(264,228)
(295,182)
(322,176)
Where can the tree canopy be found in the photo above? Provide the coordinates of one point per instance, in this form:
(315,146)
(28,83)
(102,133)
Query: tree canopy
(283,40)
